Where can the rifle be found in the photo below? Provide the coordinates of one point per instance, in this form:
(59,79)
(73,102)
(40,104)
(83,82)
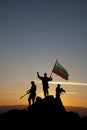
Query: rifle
(23,95)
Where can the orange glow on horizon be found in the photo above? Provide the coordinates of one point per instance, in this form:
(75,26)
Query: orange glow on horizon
(72,96)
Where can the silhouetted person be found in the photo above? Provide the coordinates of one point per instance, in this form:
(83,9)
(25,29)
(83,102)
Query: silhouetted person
(59,90)
(32,93)
(45,81)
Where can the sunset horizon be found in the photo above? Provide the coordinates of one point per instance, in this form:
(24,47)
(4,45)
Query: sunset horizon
(43,37)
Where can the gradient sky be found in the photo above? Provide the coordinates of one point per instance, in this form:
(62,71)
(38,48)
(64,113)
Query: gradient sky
(33,34)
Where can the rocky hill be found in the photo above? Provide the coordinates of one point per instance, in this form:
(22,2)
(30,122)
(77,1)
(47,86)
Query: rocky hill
(46,113)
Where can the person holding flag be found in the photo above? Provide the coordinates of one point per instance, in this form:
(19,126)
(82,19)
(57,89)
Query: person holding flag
(45,81)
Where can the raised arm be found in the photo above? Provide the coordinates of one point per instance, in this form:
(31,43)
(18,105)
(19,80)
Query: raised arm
(51,78)
(38,75)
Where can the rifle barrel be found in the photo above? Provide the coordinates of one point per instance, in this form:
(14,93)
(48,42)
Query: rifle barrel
(23,95)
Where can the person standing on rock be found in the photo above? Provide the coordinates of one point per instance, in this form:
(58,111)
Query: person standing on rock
(32,93)
(45,84)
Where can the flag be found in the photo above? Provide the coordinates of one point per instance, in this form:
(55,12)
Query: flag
(60,70)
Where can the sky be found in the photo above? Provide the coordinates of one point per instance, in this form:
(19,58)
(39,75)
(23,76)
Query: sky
(33,34)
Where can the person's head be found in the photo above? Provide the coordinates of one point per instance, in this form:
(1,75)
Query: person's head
(58,85)
(45,74)
(32,82)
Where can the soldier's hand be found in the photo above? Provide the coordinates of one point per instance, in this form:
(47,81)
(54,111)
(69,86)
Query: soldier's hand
(37,73)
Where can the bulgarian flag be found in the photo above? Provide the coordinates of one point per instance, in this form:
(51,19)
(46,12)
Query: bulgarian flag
(60,70)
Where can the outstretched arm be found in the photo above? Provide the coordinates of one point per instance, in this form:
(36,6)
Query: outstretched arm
(38,75)
(62,90)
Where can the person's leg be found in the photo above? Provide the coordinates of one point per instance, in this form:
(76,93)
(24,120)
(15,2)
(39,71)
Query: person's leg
(47,92)
(29,100)
(44,93)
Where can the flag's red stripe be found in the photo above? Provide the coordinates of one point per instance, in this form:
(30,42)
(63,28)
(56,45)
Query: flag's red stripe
(59,73)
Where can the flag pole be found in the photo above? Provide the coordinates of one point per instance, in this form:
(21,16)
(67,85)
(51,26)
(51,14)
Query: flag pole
(53,66)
